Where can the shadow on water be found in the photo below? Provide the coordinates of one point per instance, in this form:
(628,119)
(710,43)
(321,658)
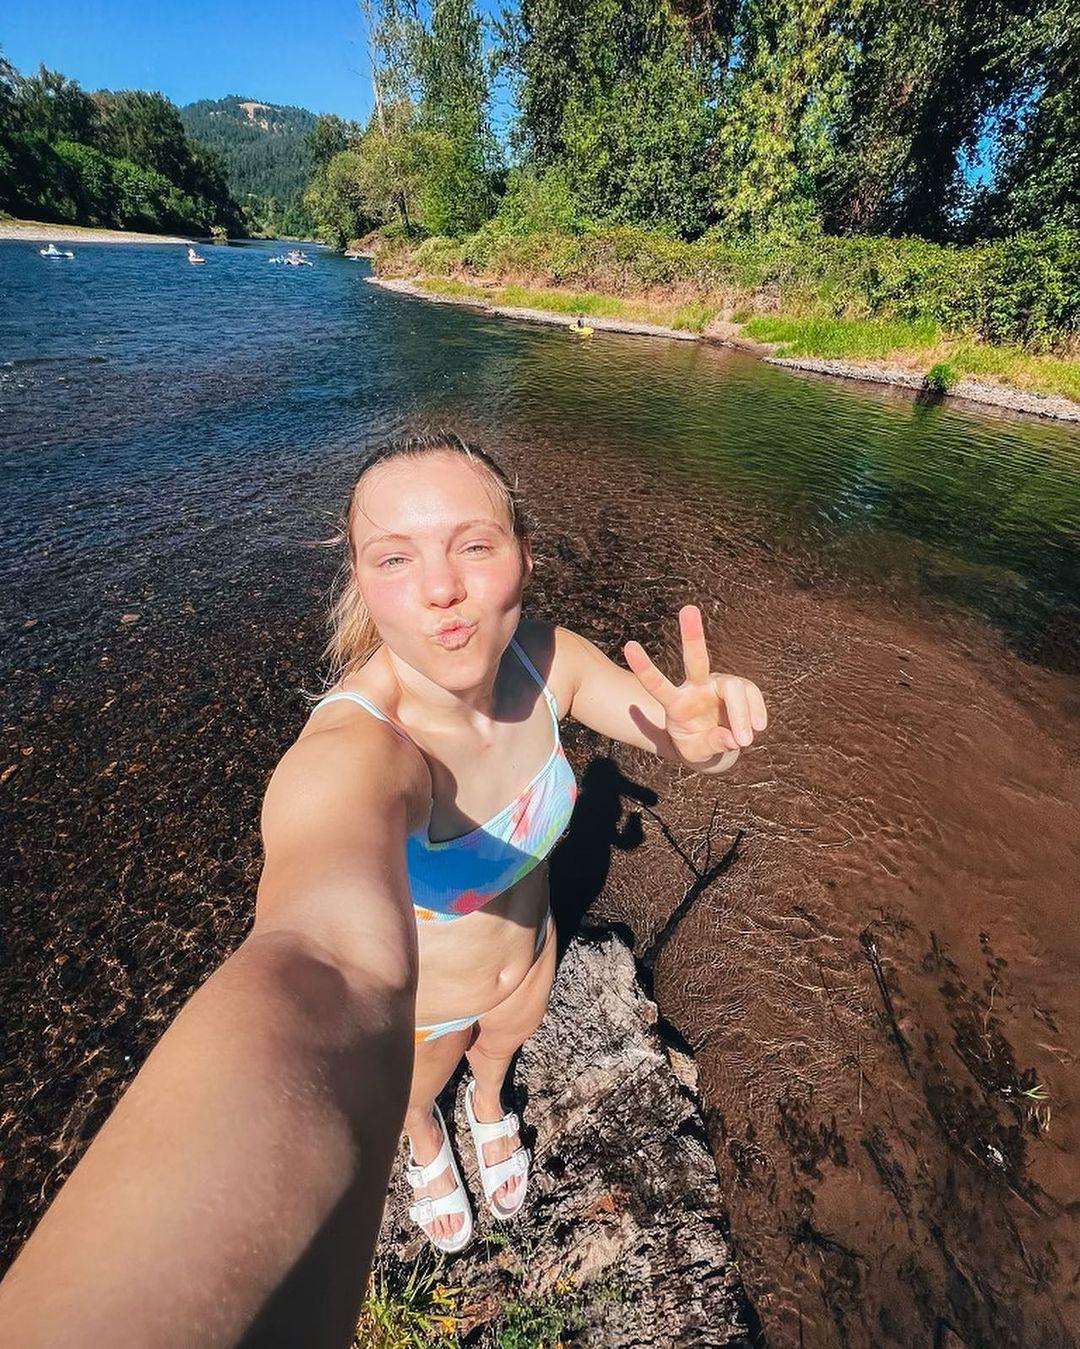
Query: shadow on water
(601,824)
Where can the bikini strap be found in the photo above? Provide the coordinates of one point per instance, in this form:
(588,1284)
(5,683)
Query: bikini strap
(367,704)
(549,697)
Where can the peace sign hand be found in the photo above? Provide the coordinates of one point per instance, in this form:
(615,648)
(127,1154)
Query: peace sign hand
(708,715)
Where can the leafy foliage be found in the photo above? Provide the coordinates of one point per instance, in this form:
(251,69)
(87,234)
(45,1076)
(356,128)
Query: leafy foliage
(427,161)
(1024,290)
(120,159)
(614,96)
(1038,173)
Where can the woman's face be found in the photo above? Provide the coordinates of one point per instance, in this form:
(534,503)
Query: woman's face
(439,566)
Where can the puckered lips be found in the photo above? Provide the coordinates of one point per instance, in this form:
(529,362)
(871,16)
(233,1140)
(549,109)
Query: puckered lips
(454,634)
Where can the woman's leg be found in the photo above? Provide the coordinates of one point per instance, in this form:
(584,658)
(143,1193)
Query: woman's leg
(433,1064)
(502,1032)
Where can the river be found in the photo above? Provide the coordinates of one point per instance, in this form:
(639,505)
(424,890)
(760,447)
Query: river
(879,987)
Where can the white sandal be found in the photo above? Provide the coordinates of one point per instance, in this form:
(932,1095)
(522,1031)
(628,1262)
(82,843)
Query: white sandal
(498,1173)
(426,1209)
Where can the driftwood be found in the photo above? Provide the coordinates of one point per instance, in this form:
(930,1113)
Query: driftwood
(625,1212)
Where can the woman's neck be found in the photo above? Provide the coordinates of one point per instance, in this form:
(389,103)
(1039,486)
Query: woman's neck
(423,702)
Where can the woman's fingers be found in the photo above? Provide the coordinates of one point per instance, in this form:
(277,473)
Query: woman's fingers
(648,676)
(695,652)
(759,717)
(721,740)
(733,694)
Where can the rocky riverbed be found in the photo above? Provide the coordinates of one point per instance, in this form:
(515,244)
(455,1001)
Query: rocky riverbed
(863,935)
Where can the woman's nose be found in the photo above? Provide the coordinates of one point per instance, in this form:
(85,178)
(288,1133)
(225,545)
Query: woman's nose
(442,584)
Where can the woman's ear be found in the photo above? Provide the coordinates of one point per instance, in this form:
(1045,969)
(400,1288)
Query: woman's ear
(526,561)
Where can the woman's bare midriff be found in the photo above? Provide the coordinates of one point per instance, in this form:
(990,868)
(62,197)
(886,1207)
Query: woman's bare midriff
(471,964)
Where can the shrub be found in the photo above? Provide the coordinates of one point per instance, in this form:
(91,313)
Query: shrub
(941,376)
(1022,290)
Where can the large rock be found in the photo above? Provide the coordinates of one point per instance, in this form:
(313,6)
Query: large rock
(625,1219)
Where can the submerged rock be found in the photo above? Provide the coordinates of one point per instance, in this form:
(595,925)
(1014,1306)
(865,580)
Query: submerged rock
(624,1224)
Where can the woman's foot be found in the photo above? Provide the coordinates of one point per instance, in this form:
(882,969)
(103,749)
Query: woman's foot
(499,1149)
(426,1138)
(502,1149)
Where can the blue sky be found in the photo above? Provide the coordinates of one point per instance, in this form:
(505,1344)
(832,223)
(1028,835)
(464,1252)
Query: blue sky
(311,55)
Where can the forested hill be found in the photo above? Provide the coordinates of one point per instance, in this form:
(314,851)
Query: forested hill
(266,154)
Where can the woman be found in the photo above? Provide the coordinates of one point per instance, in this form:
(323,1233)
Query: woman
(442,733)
(237,1188)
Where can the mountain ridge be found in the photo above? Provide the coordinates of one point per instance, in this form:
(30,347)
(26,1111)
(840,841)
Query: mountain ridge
(266,154)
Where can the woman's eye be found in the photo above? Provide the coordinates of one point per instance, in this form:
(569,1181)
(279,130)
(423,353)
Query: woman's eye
(483,547)
(388,562)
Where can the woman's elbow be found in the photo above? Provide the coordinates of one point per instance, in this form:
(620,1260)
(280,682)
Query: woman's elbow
(327,970)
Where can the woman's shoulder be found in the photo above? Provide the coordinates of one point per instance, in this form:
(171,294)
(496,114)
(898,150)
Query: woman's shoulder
(346,756)
(552,650)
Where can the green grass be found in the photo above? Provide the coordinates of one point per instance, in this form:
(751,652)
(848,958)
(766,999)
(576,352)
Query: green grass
(921,345)
(415,1313)
(535,1325)
(942,375)
(689,316)
(865,339)
(1014,366)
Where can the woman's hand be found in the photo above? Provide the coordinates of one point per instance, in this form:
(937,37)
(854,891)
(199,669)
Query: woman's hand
(708,716)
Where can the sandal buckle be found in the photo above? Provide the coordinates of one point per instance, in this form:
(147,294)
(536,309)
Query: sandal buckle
(414,1175)
(422,1211)
(511,1124)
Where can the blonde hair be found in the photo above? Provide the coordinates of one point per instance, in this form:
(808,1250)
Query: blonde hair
(354,638)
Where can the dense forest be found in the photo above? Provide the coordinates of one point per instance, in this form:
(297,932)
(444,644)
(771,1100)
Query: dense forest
(266,154)
(855,115)
(119,158)
(669,133)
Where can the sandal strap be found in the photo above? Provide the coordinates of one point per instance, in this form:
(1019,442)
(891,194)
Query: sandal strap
(418,1175)
(487,1133)
(424,1175)
(517,1164)
(503,1128)
(425,1210)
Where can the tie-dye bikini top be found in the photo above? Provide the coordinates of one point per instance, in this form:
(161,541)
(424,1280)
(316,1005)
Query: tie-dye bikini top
(460,875)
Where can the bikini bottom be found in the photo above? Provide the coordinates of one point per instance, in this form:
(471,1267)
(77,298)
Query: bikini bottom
(434,1029)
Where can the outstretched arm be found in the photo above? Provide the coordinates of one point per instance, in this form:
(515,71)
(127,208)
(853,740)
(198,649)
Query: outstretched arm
(235,1193)
(701,722)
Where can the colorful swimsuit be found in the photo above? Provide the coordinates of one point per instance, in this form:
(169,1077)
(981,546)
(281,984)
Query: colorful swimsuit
(457,876)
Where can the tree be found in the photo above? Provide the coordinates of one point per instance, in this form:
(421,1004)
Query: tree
(55,108)
(329,136)
(144,128)
(1037,178)
(618,95)
(777,97)
(924,82)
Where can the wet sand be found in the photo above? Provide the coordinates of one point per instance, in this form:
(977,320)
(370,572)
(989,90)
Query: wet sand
(878,986)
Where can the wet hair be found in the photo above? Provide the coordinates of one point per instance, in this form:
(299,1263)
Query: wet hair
(354,638)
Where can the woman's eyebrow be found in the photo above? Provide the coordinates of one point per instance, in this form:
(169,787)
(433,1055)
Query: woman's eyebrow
(458,529)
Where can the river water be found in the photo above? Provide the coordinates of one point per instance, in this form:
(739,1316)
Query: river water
(878,985)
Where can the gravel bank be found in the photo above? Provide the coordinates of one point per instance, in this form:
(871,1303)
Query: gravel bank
(727,334)
(31,232)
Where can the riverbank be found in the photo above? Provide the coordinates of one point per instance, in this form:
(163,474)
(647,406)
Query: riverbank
(934,370)
(38,232)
